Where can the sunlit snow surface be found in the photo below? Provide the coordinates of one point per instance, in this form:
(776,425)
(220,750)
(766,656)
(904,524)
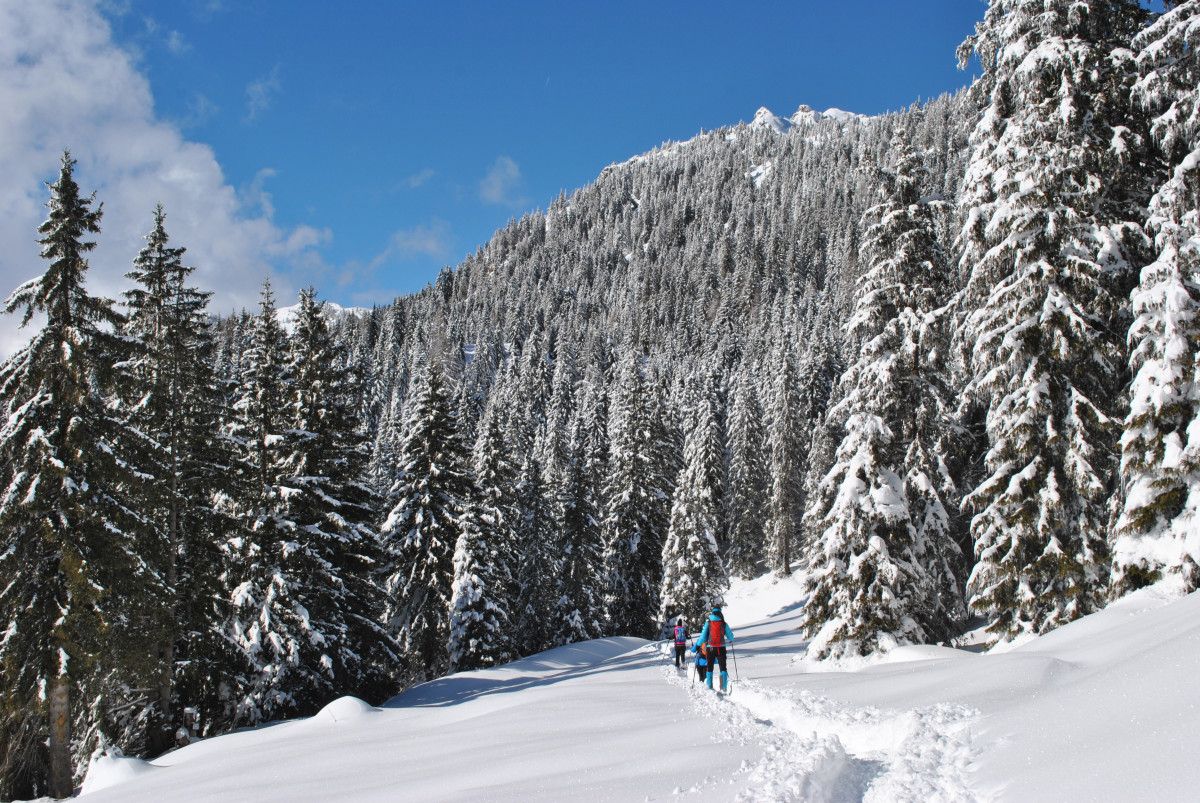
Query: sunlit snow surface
(1103,709)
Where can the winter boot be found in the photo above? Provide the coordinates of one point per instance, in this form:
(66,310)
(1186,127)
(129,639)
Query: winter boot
(724,681)
(708,680)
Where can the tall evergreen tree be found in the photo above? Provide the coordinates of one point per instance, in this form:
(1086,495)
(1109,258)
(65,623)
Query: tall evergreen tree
(879,566)
(70,561)
(536,562)
(633,493)
(422,529)
(1160,460)
(270,646)
(1043,203)
(169,392)
(694,577)
(786,500)
(747,481)
(862,571)
(820,372)
(483,596)
(326,508)
(580,538)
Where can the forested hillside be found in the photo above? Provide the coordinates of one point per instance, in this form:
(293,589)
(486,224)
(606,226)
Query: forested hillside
(942,359)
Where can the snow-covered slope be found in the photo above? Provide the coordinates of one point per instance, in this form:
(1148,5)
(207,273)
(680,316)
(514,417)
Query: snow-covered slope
(1102,709)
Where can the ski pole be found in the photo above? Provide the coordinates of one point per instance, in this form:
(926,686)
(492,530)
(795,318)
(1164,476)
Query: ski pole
(736,674)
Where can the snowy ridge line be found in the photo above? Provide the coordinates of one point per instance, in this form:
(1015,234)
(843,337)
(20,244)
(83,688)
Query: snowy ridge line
(815,749)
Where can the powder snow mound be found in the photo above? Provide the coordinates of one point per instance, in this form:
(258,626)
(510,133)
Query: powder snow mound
(344,709)
(110,769)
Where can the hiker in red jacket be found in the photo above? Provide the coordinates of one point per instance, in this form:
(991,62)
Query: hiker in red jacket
(715,636)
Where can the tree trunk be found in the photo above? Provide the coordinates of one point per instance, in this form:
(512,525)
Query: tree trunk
(61,779)
(161,737)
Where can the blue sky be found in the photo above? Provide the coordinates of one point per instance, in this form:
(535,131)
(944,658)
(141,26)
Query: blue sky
(361,146)
(410,132)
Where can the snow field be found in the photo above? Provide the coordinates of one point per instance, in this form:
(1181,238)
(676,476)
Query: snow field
(1102,709)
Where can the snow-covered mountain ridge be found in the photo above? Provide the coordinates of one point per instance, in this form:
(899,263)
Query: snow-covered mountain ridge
(764,119)
(1061,717)
(287,316)
(805,115)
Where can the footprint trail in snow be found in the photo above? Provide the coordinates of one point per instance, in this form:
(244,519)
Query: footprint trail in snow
(816,749)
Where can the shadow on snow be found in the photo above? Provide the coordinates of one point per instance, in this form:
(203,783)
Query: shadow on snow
(544,669)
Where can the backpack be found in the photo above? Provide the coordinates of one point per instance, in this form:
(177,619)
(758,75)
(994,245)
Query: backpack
(680,634)
(716,634)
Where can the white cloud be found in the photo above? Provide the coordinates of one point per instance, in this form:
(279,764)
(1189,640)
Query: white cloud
(260,93)
(499,185)
(65,84)
(302,239)
(176,43)
(200,111)
(419,179)
(256,195)
(426,239)
(366,284)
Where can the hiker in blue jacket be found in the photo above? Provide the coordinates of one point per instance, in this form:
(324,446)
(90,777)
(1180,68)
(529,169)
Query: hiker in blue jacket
(714,637)
(681,638)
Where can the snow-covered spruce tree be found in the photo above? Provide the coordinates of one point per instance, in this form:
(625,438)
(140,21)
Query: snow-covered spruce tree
(168,391)
(537,564)
(748,485)
(862,575)
(633,492)
(385,448)
(269,621)
(422,528)
(580,540)
(883,544)
(483,594)
(325,592)
(1160,460)
(785,506)
(904,247)
(479,625)
(1043,206)
(70,544)
(694,577)
(820,371)
(555,446)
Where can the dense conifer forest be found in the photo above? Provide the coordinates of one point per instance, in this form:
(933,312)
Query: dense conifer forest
(943,360)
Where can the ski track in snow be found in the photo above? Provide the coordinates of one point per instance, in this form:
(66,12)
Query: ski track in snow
(816,749)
